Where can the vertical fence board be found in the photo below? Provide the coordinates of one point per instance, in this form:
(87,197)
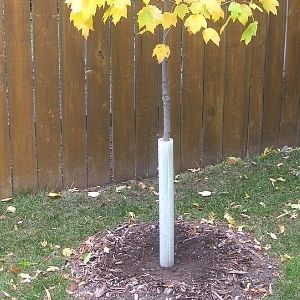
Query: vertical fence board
(273,78)
(123,99)
(19,66)
(233,133)
(5,180)
(98,106)
(73,98)
(192,99)
(255,113)
(290,107)
(48,127)
(175,89)
(146,105)
(214,67)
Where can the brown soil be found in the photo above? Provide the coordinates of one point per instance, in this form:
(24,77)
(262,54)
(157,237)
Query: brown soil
(212,262)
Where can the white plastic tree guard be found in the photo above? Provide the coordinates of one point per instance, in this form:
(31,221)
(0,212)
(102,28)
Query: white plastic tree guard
(166,202)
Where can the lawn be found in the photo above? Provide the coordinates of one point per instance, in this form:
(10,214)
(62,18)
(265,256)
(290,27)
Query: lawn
(257,193)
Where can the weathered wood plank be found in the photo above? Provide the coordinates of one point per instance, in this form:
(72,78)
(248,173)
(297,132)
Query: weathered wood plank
(123,99)
(258,54)
(20,91)
(46,84)
(73,102)
(146,105)
(98,104)
(213,105)
(192,100)
(273,78)
(5,176)
(234,138)
(290,104)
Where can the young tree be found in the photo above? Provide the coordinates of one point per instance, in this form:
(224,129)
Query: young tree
(196,16)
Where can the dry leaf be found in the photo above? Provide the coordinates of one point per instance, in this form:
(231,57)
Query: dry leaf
(142,185)
(285,257)
(53,195)
(106,250)
(132,217)
(52,269)
(230,220)
(93,194)
(121,188)
(295,206)
(47,293)
(272,235)
(205,193)
(25,278)
(231,160)
(267,247)
(67,252)
(6,199)
(15,270)
(2,217)
(44,243)
(11,209)
(281,228)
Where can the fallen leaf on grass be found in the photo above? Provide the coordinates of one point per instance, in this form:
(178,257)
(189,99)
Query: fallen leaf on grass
(205,193)
(2,217)
(230,220)
(25,278)
(132,217)
(194,170)
(281,229)
(6,199)
(47,293)
(262,204)
(231,160)
(93,194)
(279,179)
(142,185)
(267,247)
(87,257)
(272,235)
(11,209)
(52,269)
(285,257)
(121,188)
(295,206)
(54,195)
(44,243)
(67,252)
(15,270)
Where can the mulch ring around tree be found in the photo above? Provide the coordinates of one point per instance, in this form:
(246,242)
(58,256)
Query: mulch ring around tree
(211,262)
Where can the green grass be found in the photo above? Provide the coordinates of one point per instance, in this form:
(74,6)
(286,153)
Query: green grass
(242,188)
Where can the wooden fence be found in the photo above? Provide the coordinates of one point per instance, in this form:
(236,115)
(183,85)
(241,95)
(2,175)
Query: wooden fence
(76,113)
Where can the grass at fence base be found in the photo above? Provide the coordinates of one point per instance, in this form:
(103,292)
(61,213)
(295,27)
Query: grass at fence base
(242,188)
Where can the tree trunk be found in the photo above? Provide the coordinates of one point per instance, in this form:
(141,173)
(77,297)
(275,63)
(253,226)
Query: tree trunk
(166,101)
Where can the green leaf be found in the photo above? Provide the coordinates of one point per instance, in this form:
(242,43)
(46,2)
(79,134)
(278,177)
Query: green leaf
(249,32)
(86,257)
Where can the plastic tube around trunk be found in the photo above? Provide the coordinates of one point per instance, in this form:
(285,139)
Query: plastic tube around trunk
(166,202)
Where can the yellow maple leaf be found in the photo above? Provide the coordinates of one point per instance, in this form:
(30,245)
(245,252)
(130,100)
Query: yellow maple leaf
(270,6)
(194,23)
(168,19)
(210,34)
(161,51)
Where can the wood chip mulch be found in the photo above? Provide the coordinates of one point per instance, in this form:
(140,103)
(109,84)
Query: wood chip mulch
(212,262)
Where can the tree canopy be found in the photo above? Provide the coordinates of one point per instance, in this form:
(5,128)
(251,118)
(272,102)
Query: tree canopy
(196,15)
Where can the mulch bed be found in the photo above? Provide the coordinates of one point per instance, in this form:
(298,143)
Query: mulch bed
(211,262)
